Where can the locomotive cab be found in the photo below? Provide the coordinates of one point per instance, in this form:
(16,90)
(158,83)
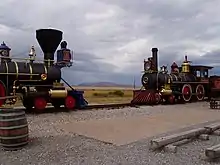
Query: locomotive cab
(201,72)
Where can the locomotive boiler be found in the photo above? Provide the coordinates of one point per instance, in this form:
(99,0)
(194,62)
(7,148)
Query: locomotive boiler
(35,82)
(182,83)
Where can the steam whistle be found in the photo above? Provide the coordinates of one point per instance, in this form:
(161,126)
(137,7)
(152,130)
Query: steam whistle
(32,54)
(186,59)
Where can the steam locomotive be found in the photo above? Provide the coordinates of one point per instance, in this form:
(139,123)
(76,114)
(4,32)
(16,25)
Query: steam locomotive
(185,83)
(38,82)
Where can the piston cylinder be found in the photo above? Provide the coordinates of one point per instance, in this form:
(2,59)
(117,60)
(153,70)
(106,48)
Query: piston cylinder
(58,93)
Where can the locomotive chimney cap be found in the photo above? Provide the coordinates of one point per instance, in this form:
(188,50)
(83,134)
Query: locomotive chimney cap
(154,49)
(49,39)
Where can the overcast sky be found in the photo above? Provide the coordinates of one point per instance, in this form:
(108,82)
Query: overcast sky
(111,38)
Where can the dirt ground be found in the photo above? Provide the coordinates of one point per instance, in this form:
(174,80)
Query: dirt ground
(123,129)
(113,137)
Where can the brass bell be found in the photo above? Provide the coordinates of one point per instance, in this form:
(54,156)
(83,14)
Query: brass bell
(32,52)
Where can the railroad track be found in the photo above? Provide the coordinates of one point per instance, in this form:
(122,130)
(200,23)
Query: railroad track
(109,106)
(50,108)
(98,106)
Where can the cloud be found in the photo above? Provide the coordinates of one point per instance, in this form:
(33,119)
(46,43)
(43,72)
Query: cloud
(112,38)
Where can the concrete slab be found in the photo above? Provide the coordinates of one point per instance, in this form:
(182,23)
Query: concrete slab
(120,131)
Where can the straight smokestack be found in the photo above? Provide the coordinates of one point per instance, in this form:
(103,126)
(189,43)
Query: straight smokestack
(154,55)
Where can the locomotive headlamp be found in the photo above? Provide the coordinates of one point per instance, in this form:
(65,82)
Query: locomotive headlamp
(144,80)
(147,65)
(43,77)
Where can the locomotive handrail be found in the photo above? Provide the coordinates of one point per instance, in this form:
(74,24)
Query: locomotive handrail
(18,58)
(68,84)
(26,59)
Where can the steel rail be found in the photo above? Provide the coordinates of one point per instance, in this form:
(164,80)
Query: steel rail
(108,106)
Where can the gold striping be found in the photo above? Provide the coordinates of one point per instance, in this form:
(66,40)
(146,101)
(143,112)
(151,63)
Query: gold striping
(6,66)
(31,71)
(171,77)
(176,77)
(20,74)
(16,68)
(45,69)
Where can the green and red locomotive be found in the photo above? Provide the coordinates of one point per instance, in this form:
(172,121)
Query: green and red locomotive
(185,83)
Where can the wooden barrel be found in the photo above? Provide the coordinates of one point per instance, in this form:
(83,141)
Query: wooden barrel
(13,129)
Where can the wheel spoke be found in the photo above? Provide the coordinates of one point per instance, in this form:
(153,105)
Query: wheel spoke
(200,92)
(186,92)
(40,103)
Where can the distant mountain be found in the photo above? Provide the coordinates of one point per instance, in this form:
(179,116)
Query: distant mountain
(104,84)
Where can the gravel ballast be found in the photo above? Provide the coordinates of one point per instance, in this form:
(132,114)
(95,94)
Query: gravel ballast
(51,145)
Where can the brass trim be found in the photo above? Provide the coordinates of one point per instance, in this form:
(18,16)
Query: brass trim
(31,71)
(171,77)
(58,93)
(20,74)
(16,68)
(6,66)
(45,69)
(166,91)
(176,77)
(26,59)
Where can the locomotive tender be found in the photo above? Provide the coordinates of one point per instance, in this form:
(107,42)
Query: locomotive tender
(37,83)
(185,83)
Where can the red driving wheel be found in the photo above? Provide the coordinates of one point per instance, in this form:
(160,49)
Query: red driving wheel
(70,102)
(200,92)
(186,92)
(40,103)
(2,93)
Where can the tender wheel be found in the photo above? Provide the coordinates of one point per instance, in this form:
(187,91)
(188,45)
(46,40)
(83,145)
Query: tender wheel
(200,92)
(187,92)
(70,103)
(40,103)
(2,93)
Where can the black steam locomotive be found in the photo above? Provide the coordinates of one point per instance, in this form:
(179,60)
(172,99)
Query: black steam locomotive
(181,84)
(37,83)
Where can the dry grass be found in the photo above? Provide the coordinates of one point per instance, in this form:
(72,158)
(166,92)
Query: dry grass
(105,95)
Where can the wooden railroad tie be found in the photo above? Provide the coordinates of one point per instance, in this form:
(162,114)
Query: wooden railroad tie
(170,142)
(213,152)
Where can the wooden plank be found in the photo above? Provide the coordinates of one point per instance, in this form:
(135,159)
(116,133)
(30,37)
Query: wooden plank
(163,141)
(216,133)
(212,127)
(213,152)
(182,142)
(203,137)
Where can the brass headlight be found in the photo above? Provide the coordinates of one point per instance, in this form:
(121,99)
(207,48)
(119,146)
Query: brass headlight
(147,65)
(43,76)
(145,79)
